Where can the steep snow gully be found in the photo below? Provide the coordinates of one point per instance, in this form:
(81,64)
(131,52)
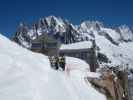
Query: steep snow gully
(25,75)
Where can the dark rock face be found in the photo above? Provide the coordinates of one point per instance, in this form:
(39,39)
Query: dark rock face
(21,35)
(102,58)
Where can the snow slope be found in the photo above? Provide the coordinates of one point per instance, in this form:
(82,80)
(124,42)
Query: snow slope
(118,55)
(28,76)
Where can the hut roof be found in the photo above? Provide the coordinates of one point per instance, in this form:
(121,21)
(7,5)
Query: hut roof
(76,46)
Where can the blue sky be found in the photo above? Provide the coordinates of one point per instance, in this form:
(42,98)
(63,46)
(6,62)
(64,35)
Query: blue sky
(111,12)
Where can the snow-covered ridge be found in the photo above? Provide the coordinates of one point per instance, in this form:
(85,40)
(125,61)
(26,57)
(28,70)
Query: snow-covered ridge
(25,75)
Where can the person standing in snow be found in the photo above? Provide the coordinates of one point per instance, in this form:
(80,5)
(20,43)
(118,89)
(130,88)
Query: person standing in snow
(52,60)
(56,62)
(62,62)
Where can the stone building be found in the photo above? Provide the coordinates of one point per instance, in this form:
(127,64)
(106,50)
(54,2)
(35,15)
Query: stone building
(46,44)
(49,46)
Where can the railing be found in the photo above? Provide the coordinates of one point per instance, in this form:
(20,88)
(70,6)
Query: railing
(130,79)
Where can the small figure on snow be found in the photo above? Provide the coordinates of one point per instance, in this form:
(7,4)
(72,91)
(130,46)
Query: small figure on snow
(62,62)
(56,62)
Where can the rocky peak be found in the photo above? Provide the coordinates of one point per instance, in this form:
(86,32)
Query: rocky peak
(96,25)
(42,23)
(125,32)
(23,27)
(124,28)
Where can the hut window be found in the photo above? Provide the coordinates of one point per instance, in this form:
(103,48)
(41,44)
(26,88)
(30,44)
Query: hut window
(76,55)
(87,54)
(51,45)
(36,45)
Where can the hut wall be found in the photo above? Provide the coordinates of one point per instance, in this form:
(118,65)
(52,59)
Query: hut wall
(85,54)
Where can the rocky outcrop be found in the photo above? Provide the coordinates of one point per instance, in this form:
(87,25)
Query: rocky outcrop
(113,83)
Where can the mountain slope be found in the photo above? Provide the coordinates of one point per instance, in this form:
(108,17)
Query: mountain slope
(25,75)
(66,32)
(115,44)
